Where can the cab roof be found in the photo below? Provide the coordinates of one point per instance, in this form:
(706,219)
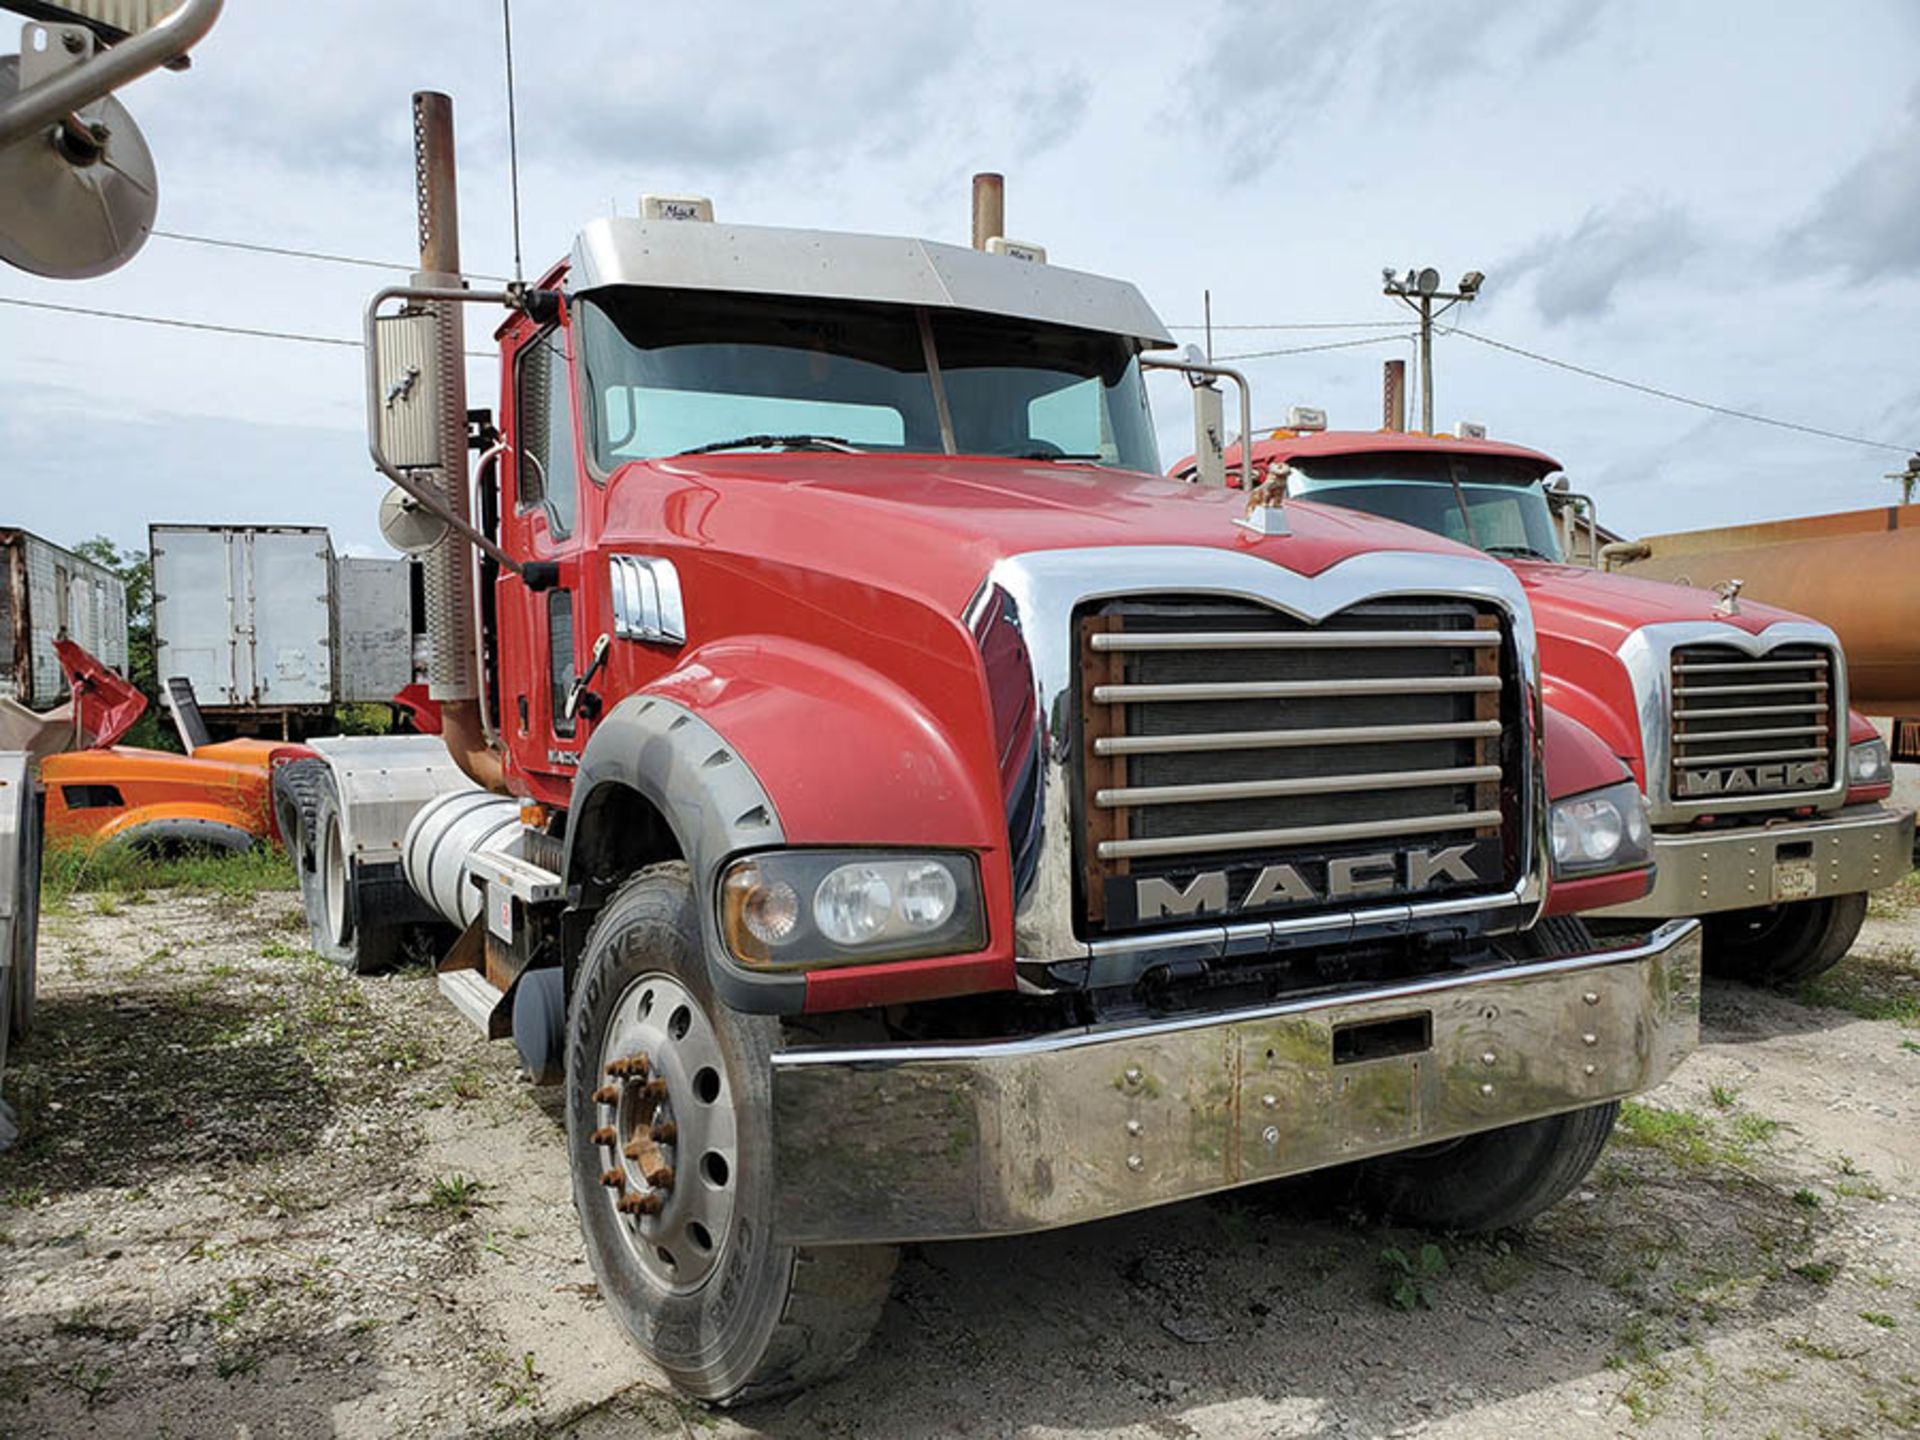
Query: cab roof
(1286,445)
(831,265)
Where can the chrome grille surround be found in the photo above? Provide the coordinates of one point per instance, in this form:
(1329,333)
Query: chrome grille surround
(1651,654)
(1046,588)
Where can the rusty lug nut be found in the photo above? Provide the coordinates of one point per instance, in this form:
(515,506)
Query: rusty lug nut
(603,1136)
(648,1204)
(614,1179)
(634,1064)
(659,1175)
(654,1089)
(665,1132)
(607,1095)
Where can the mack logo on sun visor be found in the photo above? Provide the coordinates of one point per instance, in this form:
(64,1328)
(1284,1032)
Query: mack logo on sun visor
(1744,779)
(1339,880)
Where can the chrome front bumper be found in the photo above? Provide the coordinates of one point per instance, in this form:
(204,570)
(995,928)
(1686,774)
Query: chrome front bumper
(1701,873)
(934,1142)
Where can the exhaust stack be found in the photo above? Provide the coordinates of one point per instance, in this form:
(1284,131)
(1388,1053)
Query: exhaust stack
(1393,396)
(448,568)
(989,207)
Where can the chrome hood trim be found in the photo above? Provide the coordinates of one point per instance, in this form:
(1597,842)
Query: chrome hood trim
(1046,586)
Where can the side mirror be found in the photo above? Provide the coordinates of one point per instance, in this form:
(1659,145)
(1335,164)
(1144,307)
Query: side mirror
(406,393)
(1209,438)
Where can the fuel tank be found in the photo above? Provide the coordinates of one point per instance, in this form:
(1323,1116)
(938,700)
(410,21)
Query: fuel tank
(1856,570)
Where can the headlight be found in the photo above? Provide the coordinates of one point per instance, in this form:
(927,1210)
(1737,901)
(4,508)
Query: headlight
(1601,830)
(1867,763)
(797,909)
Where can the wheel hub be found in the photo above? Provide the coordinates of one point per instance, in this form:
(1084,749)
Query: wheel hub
(664,1127)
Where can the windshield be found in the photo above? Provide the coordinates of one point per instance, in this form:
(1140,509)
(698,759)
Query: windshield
(668,371)
(1505,510)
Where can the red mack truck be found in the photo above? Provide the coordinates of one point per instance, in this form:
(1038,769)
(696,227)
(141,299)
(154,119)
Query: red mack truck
(1766,791)
(897,812)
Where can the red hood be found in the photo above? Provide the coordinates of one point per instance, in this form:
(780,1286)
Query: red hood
(934,526)
(1585,605)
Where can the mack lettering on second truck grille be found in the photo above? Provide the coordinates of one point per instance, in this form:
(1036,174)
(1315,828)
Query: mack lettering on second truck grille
(1744,726)
(1239,762)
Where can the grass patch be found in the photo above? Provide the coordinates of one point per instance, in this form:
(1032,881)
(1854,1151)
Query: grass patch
(1896,900)
(1880,1318)
(1410,1279)
(455,1194)
(1875,985)
(118,872)
(1695,1142)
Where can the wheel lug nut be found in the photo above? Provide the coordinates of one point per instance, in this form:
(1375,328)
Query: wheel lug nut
(614,1179)
(648,1204)
(654,1089)
(607,1095)
(665,1131)
(603,1136)
(634,1064)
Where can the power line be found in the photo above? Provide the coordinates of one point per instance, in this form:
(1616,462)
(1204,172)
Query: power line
(1303,325)
(1658,393)
(209,327)
(288,252)
(1326,345)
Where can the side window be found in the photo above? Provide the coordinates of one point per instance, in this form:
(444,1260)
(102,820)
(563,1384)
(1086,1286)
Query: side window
(547,475)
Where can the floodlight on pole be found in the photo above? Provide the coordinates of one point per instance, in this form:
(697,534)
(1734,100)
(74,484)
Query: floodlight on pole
(1420,290)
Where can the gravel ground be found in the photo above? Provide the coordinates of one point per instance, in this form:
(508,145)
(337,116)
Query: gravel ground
(255,1197)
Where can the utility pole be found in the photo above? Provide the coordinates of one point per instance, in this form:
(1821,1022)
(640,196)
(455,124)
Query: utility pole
(1909,479)
(1418,290)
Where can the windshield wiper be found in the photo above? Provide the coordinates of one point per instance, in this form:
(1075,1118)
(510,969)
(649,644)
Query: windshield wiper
(776,442)
(1055,455)
(1525,551)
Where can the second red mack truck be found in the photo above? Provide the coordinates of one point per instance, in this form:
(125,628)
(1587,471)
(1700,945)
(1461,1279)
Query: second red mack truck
(1767,792)
(896,812)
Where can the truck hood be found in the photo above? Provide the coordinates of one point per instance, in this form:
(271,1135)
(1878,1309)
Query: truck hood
(1584,605)
(934,526)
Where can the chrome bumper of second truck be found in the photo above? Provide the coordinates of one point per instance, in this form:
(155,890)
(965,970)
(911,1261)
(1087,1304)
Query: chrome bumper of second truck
(931,1142)
(1705,872)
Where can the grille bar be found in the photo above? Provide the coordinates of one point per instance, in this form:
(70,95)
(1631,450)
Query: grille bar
(1804,687)
(1298,689)
(1721,667)
(1286,739)
(1748,757)
(1703,737)
(1306,785)
(1297,640)
(1718,711)
(1299,835)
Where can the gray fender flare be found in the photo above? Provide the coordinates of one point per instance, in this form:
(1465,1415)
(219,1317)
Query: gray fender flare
(715,805)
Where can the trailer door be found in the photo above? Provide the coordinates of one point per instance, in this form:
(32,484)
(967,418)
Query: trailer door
(194,614)
(286,577)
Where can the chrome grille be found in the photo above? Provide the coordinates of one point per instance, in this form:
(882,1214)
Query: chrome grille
(1747,726)
(1221,735)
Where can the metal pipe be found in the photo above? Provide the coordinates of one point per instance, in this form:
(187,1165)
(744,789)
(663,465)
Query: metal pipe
(1393,396)
(989,207)
(53,100)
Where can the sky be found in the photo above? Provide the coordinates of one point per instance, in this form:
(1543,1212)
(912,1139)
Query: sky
(1720,200)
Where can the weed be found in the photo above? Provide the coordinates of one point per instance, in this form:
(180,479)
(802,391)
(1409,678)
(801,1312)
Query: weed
(1723,1096)
(1818,1349)
(20,1197)
(1411,1278)
(280,950)
(518,1383)
(456,1194)
(1880,1318)
(1806,1199)
(1817,1272)
(119,872)
(1752,1130)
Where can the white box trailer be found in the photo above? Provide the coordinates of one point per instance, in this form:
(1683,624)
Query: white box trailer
(265,619)
(47,592)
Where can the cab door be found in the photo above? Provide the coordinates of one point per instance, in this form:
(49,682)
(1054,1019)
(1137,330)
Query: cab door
(544,637)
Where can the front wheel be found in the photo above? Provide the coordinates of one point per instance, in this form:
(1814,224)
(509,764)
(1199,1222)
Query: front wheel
(1782,944)
(1491,1180)
(669,1137)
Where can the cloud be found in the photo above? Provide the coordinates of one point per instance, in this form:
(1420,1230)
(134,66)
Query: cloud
(1576,273)
(1868,221)
(1050,113)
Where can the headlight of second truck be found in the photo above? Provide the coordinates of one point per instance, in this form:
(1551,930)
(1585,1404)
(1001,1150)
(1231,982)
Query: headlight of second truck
(802,909)
(1601,830)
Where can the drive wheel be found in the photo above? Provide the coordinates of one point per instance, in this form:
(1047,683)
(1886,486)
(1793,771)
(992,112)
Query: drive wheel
(357,943)
(1782,944)
(1491,1180)
(669,1136)
(26,921)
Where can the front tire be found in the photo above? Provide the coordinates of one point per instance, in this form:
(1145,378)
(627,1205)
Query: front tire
(1782,944)
(669,1136)
(1491,1180)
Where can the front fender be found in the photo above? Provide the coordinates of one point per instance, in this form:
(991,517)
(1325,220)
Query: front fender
(756,743)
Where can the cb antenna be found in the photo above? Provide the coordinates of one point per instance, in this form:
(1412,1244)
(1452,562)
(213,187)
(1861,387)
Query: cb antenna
(513,139)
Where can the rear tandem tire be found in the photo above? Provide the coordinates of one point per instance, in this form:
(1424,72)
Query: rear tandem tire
(703,1287)
(1782,944)
(341,932)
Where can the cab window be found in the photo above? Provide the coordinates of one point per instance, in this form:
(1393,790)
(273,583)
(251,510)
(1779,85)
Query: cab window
(547,472)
